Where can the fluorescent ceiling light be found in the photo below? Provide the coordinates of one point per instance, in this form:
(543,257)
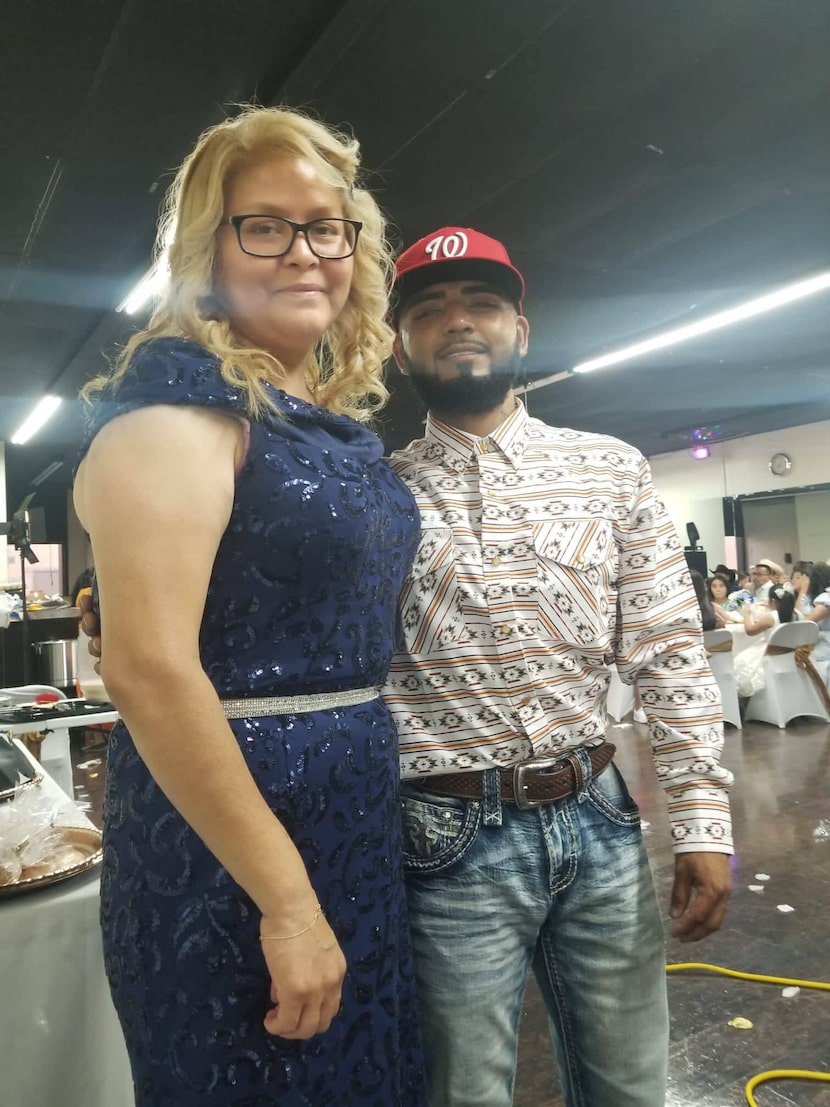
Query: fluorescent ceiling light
(149,286)
(42,413)
(44,474)
(711,323)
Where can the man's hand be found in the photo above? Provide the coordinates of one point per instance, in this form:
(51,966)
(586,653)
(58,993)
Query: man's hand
(91,626)
(702,886)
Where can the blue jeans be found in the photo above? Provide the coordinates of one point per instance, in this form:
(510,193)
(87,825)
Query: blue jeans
(564,889)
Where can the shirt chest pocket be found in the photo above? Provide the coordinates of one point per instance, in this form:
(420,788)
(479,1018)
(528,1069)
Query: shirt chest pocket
(431,616)
(576,565)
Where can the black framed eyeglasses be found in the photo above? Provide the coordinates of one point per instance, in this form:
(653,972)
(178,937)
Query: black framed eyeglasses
(271,236)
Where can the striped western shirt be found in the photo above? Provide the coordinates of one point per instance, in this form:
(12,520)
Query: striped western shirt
(545,556)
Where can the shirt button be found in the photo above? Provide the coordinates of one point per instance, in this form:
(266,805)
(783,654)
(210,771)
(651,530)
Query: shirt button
(497,561)
(527,701)
(505,629)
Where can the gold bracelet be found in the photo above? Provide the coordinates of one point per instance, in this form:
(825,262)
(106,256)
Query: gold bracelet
(286,937)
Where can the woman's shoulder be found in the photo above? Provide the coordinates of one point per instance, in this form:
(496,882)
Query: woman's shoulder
(173,370)
(166,370)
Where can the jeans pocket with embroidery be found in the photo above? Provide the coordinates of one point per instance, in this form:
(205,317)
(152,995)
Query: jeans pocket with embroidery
(437,830)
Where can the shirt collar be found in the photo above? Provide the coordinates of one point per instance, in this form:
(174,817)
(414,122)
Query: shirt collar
(455,447)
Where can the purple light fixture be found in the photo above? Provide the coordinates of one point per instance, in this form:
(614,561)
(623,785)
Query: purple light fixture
(700,453)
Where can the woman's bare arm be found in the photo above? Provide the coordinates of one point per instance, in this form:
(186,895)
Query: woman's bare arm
(155,493)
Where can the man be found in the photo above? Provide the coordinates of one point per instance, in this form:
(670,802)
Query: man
(765,573)
(545,555)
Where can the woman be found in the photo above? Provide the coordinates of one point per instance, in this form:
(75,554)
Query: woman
(750,675)
(729,576)
(707,613)
(717,591)
(818,595)
(800,580)
(251,892)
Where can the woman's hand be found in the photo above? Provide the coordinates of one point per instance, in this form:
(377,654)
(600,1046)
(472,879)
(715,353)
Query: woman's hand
(307,973)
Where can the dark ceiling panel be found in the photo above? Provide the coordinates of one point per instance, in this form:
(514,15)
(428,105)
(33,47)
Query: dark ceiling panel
(646,162)
(114,94)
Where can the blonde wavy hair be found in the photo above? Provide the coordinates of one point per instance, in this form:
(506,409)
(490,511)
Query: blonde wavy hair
(346,367)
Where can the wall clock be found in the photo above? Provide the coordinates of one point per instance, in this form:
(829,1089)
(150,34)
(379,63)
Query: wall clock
(780,464)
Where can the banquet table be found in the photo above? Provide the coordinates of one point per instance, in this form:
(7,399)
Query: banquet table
(55,756)
(60,1042)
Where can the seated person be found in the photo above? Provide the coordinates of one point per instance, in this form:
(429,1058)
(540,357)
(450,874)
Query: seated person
(729,575)
(765,573)
(760,622)
(707,612)
(819,596)
(717,590)
(800,581)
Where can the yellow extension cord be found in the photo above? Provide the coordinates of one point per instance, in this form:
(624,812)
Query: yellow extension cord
(771,1074)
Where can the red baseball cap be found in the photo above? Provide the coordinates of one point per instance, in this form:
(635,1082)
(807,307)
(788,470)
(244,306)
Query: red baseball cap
(451,254)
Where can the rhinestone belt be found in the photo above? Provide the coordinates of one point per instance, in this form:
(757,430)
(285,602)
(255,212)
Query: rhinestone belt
(294,705)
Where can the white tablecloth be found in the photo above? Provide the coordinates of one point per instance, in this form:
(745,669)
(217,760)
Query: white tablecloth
(60,1042)
(55,754)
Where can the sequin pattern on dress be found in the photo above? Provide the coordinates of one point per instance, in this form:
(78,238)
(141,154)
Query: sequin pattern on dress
(302,599)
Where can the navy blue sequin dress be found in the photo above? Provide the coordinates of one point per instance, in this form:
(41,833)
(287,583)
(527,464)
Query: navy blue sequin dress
(302,600)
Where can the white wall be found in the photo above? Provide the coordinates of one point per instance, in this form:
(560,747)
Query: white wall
(812,511)
(693,490)
(771,530)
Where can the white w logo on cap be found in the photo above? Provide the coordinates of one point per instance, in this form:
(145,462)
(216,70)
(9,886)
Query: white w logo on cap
(447,246)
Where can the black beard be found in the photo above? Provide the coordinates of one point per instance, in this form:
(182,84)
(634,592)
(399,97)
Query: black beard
(465,394)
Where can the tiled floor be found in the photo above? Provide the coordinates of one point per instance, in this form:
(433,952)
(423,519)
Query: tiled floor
(781,798)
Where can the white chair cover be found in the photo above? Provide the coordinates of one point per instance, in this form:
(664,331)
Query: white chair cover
(719,647)
(790,691)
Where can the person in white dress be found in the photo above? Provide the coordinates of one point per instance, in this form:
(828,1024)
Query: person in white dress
(760,621)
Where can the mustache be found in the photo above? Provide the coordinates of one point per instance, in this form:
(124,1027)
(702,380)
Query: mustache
(451,347)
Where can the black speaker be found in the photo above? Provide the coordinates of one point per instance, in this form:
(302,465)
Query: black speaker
(696,559)
(37,524)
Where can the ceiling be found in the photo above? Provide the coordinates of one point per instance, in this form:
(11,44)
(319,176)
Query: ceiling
(647,163)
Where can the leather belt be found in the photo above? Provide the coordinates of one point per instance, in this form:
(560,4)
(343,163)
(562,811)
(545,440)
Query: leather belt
(529,783)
